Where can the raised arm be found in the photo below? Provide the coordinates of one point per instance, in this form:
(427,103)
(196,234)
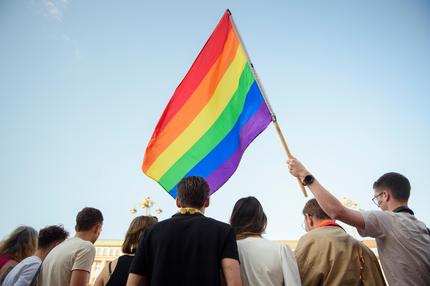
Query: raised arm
(326,200)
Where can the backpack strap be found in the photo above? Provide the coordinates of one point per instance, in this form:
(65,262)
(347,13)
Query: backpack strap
(36,276)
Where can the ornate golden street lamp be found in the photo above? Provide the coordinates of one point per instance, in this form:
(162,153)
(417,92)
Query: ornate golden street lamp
(146,204)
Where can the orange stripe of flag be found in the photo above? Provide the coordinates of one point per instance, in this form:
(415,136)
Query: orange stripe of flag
(194,104)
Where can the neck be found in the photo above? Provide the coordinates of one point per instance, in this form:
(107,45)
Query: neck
(190,210)
(246,234)
(84,235)
(41,253)
(395,205)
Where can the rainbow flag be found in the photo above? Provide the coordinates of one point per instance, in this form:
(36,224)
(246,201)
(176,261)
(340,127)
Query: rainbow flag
(214,114)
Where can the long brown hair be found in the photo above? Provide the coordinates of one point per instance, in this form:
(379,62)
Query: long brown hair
(20,244)
(135,231)
(248,218)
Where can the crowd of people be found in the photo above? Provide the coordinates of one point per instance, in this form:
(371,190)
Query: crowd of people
(192,249)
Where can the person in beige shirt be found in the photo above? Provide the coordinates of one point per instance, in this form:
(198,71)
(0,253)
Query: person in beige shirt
(403,241)
(70,262)
(327,255)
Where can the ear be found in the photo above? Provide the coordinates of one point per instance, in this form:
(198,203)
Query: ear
(387,195)
(178,203)
(97,228)
(55,243)
(310,220)
(207,203)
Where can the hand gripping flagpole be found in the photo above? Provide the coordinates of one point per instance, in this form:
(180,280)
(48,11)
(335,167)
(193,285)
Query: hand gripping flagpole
(274,119)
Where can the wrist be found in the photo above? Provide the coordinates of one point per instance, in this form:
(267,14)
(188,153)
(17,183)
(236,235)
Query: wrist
(303,175)
(307,180)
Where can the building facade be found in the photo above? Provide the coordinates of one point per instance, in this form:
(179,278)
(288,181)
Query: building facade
(108,250)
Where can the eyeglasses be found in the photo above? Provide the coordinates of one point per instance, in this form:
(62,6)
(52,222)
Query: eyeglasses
(374,199)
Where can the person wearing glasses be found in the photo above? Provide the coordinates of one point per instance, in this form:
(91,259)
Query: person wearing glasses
(403,241)
(327,255)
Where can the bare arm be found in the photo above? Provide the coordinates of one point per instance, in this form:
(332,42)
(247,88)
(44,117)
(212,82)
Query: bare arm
(79,278)
(327,201)
(136,280)
(104,275)
(231,270)
(100,280)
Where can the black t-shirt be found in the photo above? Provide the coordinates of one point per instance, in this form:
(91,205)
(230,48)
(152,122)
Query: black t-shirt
(120,274)
(186,249)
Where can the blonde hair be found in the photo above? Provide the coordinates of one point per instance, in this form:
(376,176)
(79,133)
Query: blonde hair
(21,243)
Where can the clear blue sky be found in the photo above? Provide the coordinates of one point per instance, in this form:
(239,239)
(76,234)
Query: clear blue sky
(83,83)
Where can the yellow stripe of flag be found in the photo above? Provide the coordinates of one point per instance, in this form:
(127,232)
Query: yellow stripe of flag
(206,118)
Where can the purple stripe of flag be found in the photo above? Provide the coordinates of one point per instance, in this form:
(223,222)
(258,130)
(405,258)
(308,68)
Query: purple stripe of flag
(255,125)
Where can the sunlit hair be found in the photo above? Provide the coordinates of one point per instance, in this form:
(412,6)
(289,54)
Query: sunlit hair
(313,208)
(21,243)
(135,231)
(88,218)
(397,184)
(248,218)
(51,234)
(193,192)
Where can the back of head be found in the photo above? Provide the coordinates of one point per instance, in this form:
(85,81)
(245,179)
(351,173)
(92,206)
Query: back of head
(397,184)
(135,231)
(87,218)
(248,218)
(51,234)
(21,243)
(193,192)
(313,208)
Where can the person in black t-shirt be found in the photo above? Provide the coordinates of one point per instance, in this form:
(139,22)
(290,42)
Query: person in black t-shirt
(115,273)
(189,248)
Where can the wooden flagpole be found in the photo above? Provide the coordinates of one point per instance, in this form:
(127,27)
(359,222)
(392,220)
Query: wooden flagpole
(274,119)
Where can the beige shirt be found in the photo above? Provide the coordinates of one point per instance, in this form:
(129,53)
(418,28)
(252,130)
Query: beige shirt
(329,256)
(403,245)
(72,254)
(263,262)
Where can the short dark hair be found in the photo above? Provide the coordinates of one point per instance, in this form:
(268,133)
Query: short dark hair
(248,217)
(135,231)
(193,191)
(313,208)
(397,184)
(87,218)
(51,234)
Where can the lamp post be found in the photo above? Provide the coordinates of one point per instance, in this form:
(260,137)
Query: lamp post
(146,204)
(352,205)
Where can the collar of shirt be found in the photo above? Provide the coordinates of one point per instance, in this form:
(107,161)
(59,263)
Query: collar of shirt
(403,209)
(189,211)
(329,222)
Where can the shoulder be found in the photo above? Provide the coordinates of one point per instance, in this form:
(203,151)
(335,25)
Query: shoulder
(162,225)
(216,223)
(383,217)
(84,245)
(322,236)
(317,233)
(32,260)
(219,227)
(377,214)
